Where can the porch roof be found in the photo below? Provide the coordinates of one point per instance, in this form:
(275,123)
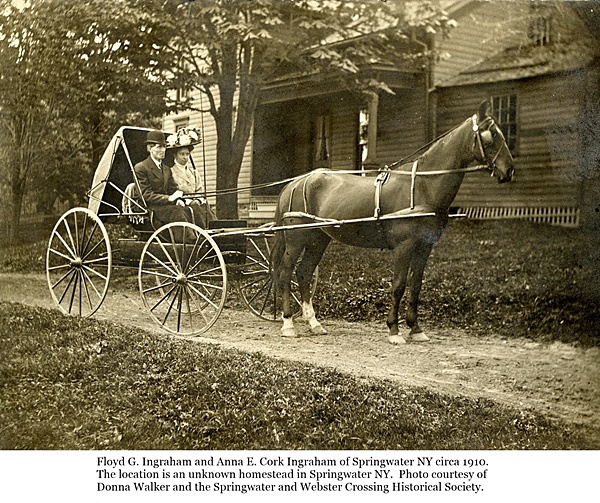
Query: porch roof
(310,85)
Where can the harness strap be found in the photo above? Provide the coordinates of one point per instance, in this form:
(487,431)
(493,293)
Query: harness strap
(381,178)
(303,214)
(413,178)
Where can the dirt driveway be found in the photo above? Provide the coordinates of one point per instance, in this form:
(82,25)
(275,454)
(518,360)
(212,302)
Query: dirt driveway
(559,380)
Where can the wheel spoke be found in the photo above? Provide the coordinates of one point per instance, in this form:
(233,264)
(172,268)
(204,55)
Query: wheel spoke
(206,299)
(70,271)
(76,278)
(183,283)
(94,271)
(84,257)
(172,271)
(61,255)
(73,247)
(170,306)
(167,254)
(204,273)
(69,249)
(162,299)
(158,287)
(89,280)
(78,262)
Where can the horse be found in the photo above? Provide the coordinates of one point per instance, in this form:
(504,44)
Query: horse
(404,208)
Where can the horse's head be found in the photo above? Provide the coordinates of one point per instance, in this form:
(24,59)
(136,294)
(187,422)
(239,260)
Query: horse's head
(490,145)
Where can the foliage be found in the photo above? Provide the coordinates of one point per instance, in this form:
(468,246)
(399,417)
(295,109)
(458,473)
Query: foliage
(228,50)
(71,383)
(70,73)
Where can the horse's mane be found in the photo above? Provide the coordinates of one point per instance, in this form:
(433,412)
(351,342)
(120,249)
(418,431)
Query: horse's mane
(430,149)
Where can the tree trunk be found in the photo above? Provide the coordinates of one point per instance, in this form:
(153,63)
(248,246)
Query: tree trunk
(227,171)
(14,223)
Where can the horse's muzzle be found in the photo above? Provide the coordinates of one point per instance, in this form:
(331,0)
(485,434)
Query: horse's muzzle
(508,176)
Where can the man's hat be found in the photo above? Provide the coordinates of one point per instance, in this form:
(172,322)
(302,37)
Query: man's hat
(156,137)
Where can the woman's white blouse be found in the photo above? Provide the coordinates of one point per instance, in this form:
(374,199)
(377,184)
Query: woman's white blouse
(186,178)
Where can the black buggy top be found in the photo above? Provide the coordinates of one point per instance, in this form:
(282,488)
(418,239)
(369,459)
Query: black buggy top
(111,195)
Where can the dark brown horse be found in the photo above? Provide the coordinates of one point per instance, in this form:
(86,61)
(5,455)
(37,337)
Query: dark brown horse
(425,187)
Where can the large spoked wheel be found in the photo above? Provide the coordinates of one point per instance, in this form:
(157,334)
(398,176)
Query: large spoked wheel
(78,262)
(182,278)
(255,281)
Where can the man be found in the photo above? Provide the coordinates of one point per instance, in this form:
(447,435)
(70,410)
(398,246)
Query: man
(158,188)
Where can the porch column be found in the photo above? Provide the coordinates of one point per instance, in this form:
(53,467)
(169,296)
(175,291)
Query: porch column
(370,161)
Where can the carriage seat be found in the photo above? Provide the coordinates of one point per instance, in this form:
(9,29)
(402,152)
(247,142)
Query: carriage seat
(132,208)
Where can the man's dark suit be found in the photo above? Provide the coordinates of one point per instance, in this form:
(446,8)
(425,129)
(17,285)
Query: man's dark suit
(157,185)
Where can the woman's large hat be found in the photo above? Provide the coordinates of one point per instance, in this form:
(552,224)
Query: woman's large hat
(156,137)
(184,137)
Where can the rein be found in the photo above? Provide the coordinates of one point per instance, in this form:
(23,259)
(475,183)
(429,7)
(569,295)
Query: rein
(469,169)
(387,169)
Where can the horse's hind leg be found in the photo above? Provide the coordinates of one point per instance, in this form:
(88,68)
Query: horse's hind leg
(415,280)
(313,253)
(402,254)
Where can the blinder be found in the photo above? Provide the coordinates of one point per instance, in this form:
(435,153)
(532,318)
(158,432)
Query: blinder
(485,138)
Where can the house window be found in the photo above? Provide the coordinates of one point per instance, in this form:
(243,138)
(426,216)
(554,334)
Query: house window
(181,123)
(539,31)
(183,94)
(504,108)
(322,144)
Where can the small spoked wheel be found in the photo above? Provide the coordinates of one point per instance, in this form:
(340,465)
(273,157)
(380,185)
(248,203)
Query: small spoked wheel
(255,281)
(182,278)
(78,262)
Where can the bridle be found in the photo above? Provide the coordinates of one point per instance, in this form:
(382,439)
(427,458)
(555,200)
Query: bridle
(490,161)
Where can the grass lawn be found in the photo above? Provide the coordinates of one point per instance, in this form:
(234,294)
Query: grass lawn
(82,384)
(512,278)
(68,383)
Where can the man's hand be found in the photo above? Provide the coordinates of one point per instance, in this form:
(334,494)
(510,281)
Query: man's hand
(178,194)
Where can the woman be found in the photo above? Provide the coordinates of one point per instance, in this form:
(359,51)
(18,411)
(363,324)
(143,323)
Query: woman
(188,181)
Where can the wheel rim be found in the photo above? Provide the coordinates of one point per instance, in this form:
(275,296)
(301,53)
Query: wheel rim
(78,263)
(182,279)
(255,282)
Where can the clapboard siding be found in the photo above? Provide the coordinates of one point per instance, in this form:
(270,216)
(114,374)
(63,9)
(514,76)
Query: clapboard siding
(401,128)
(205,154)
(343,137)
(482,29)
(546,170)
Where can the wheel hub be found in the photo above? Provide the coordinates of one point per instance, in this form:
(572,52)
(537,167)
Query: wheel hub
(77,262)
(180,279)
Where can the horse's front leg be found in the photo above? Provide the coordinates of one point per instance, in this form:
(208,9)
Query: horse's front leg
(401,263)
(415,281)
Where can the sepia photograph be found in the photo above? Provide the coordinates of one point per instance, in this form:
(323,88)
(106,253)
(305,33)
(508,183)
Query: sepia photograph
(289,248)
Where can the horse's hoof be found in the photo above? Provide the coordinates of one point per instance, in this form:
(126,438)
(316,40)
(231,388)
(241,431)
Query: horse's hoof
(289,332)
(318,330)
(397,339)
(419,337)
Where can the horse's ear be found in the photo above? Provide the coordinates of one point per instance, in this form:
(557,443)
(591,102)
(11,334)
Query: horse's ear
(484,109)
